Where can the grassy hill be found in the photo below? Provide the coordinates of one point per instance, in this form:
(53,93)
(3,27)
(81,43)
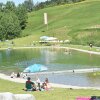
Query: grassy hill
(79,22)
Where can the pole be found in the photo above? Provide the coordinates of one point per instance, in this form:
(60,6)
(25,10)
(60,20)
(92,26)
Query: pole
(46,20)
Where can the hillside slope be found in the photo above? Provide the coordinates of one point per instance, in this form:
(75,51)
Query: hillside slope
(80,23)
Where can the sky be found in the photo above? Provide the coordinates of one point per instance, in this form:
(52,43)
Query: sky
(20,1)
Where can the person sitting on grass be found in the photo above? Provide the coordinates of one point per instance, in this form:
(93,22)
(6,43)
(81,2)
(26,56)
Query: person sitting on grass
(43,86)
(29,85)
(46,85)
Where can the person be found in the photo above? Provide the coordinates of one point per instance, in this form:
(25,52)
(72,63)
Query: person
(12,75)
(43,86)
(46,84)
(23,75)
(46,81)
(90,45)
(38,84)
(18,75)
(30,86)
(34,87)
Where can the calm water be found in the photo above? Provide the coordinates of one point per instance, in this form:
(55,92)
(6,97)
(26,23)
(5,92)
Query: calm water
(55,60)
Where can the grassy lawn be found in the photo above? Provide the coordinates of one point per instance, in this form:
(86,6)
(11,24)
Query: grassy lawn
(75,22)
(55,94)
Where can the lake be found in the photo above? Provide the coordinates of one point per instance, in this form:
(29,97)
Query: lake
(55,59)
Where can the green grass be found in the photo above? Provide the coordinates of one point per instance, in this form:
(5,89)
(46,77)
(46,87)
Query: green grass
(77,22)
(56,94)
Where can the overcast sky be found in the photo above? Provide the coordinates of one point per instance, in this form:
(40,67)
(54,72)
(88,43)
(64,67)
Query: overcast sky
(20,1)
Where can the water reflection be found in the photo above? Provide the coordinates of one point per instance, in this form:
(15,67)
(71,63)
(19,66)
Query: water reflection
(48,55)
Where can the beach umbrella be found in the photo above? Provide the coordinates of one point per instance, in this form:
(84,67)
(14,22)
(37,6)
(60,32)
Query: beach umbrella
(35,68)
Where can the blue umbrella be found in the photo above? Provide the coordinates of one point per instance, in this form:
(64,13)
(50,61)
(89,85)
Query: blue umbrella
(35,68)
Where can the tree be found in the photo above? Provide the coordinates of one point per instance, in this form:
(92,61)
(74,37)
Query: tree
(10,5)
(1,6)
(12,19)
(21,12)
(9,26)
(29,5)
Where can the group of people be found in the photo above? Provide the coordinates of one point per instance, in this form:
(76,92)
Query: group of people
(18,75)
(37,86)
(32,86)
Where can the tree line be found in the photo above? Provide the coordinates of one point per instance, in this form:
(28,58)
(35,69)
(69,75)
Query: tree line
(50,3)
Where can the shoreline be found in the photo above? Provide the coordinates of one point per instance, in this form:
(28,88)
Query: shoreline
(21,80)
(86,51)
